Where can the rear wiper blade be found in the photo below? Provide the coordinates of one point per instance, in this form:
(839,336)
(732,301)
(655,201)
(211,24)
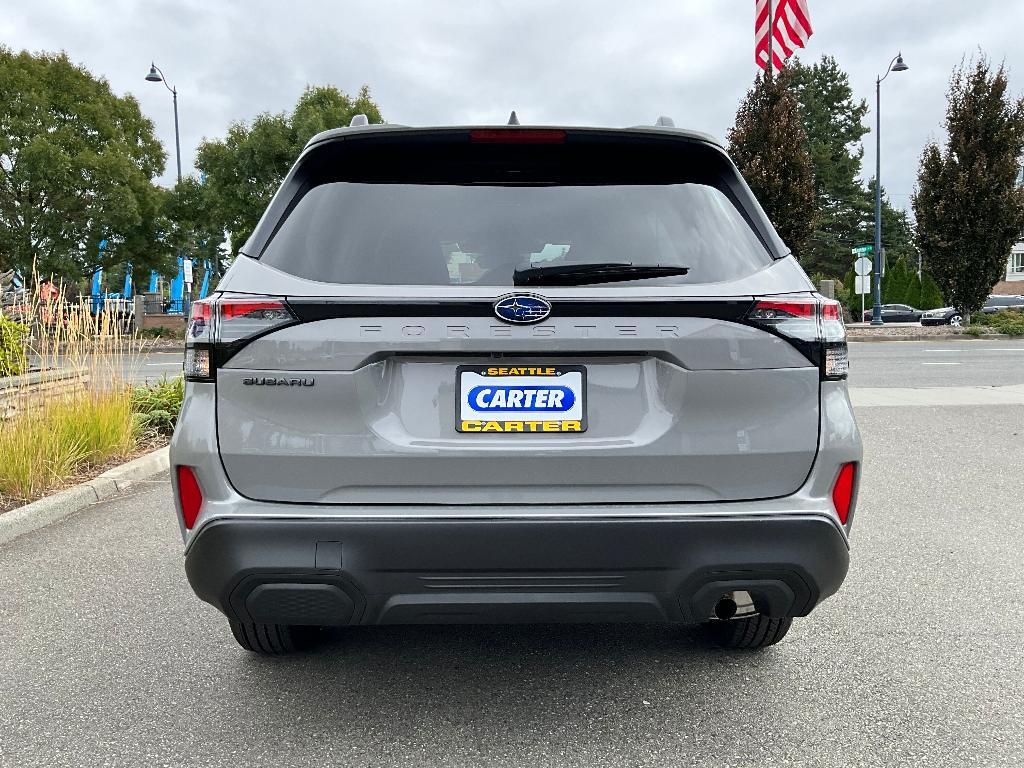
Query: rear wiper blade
(585,274)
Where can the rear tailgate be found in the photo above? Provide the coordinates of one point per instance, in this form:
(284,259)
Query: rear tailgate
(678,408)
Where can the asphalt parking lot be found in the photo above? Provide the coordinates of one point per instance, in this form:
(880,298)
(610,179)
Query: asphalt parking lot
(106,657)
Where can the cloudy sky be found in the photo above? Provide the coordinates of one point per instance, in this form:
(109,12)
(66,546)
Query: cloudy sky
(594,62)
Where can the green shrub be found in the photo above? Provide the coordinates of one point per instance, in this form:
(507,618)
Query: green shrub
(157,405)
(12,347)
(1008,321)
(975,330)
(177,334)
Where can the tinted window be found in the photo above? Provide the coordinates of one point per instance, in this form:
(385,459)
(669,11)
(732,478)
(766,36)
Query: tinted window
(445,234)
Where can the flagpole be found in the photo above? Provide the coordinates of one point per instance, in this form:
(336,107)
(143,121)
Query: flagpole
(771,35)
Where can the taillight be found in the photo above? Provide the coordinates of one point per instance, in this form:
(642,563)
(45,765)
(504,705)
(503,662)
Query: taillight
(813,325)
(190,496)
(220,325)
(842,491)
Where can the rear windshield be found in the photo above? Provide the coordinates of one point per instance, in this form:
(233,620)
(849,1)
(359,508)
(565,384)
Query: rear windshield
(451,234)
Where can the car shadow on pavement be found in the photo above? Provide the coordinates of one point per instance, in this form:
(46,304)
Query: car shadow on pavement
(514,675)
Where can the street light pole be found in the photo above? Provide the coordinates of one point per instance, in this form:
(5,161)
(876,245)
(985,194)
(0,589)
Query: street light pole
(896,65)
(156,75)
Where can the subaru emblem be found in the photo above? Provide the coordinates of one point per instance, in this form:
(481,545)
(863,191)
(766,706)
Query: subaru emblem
(522,308)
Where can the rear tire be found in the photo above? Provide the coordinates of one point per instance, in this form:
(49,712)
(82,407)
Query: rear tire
(749,633)
(270,639)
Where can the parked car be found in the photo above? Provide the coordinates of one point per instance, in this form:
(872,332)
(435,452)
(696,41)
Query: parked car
(999,303)
(943,316)
(951,316)
(632,407)
(896,313)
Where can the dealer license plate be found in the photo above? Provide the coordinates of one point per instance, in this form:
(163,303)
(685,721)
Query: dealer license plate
(522,399)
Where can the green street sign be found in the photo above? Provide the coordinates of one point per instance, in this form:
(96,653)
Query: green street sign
(862,250)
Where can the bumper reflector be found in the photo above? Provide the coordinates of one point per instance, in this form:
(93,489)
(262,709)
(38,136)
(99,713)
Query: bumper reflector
(842,491)
(190,495)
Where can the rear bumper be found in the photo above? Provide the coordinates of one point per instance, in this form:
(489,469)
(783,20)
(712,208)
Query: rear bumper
(496,570)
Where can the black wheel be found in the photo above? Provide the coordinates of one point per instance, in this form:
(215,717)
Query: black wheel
(271,639)
(750,632)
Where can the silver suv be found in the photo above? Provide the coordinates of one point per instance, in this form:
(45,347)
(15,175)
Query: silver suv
(515,374)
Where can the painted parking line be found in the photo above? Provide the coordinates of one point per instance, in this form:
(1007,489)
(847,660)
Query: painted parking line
(944,362)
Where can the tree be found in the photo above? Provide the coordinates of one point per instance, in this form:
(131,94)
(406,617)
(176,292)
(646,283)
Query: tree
(769,146)
(243,171)
(968,206)
(76,168)
(931,296)
(831,118)
(191,230)
(896,282)
(912,295)
(897,230)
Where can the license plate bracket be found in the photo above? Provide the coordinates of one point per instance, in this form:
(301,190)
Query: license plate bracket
(521,399)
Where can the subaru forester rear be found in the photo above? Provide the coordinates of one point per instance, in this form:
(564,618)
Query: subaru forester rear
(515,374)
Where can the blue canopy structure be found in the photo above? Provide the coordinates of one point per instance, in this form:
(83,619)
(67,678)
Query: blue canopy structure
(205,287)
(127,293)
(178,290)
(154,281)
(97,290)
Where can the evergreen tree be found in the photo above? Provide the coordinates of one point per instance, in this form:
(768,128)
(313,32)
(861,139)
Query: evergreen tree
(897,229)
(850,298)
(931,296)
(832,120)
(969,208)
(769,145)
(913,292)
(895,283)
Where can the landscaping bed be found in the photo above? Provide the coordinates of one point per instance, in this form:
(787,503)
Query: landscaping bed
(75,415)
(87,472)
(914,332)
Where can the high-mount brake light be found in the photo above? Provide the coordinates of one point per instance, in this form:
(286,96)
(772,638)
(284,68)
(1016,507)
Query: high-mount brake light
(220,325)
(814,325)
(517,136)
(842,491)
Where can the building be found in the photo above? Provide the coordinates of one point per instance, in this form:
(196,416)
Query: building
(1013,281)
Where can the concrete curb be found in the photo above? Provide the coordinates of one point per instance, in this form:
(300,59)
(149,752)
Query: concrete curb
(50,509)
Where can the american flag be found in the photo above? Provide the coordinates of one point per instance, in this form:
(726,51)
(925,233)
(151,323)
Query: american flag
(792,28)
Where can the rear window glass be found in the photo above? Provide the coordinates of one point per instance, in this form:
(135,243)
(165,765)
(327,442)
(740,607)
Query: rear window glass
(440,234)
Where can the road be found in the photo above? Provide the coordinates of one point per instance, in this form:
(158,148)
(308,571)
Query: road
(108,659)
(936,363)
(152,365)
